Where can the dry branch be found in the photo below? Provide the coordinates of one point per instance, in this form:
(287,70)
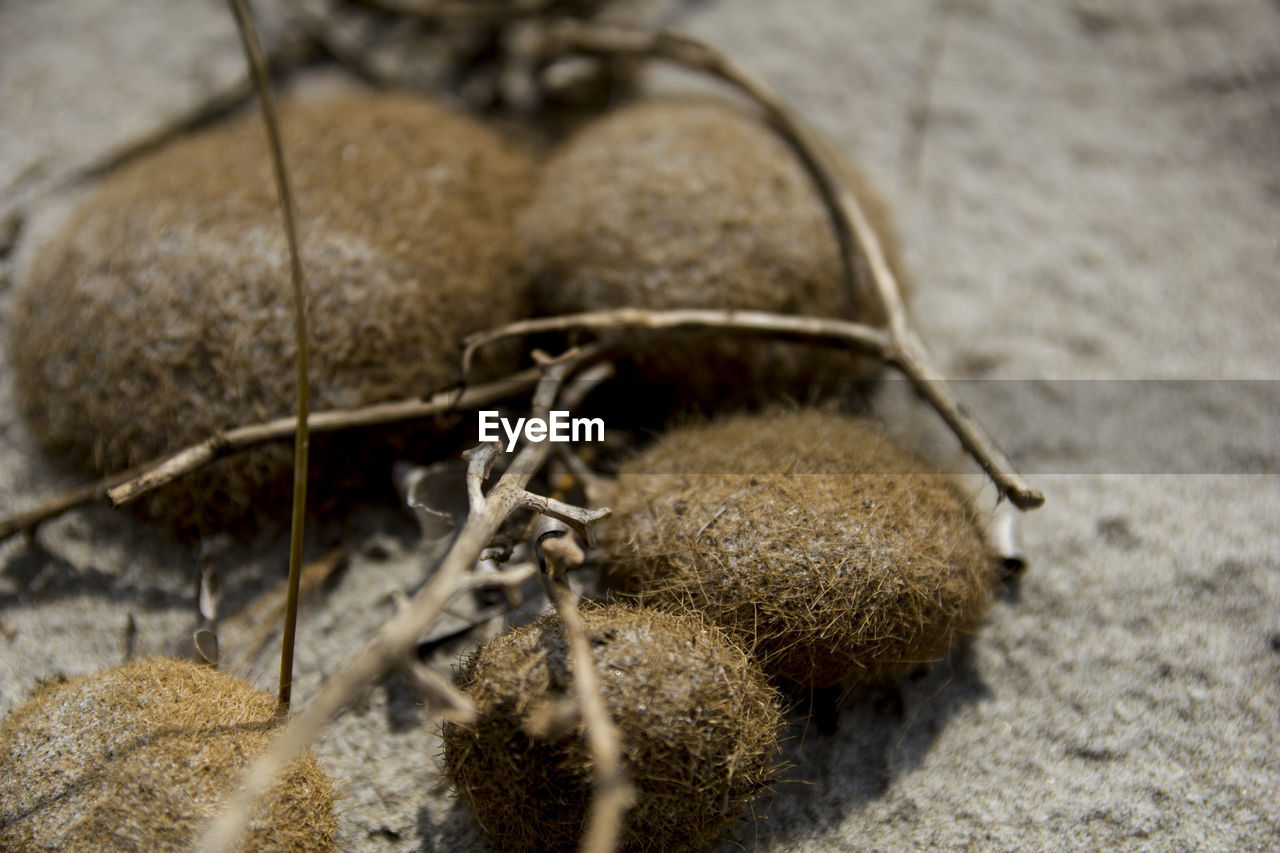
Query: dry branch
(906,355)
(612,792)
(126,486)
(389,646)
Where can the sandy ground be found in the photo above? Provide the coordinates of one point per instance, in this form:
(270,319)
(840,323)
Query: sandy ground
(1085,191)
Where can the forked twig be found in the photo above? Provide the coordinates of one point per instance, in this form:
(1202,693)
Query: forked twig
(398,637)
(861,252)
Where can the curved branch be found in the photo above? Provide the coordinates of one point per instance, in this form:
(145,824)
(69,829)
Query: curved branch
(860,246)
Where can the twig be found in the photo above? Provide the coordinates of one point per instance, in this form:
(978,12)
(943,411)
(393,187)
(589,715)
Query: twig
(390,645)
(906,354)
(861,252)
(198,455)
(69,500)
(867,339)
(126,486)
(612,792)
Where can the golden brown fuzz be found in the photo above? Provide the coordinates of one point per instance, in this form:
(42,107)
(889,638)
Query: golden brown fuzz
(164,310)
(693,204)
(139,757)
(835,556)
(698,722)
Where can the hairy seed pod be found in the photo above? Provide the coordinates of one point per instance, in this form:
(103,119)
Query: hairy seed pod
(835,556)
(672,204)
(139,757)
(163,312)
(698,723)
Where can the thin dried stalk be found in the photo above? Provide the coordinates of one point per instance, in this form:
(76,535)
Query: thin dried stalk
(866,339)
(126,486)
(399,636)
(302,354)
(612,792)
(860,248)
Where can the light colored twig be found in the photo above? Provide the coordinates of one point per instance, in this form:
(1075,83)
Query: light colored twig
(395,640)
(861,251)
(862,337)
(126,486)
(612,792)
(198,455)
(905,354)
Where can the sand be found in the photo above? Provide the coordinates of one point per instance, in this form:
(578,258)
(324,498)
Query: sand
(1085,191)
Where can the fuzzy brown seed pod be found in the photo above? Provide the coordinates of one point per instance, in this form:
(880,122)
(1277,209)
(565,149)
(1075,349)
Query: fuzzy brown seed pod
(673,204)
(138,758)
(835,556)
(163,312)
(698,722)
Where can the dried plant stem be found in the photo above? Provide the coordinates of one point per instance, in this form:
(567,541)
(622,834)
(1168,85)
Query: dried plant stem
(129,485)
(397,638)
(906,354)
(198,455)
(862,337)
(612,792)
(860,248)
(258,68)
(30,519)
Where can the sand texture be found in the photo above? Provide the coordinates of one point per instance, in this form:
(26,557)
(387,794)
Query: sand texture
(1087,196)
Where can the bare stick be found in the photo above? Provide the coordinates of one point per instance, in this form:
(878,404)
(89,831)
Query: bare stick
(864,338)
(911,358)
(126,486)
(198,455)
(860,248)
(301,446)
(612,792)
(905,353)
(390,645)
(79,496)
